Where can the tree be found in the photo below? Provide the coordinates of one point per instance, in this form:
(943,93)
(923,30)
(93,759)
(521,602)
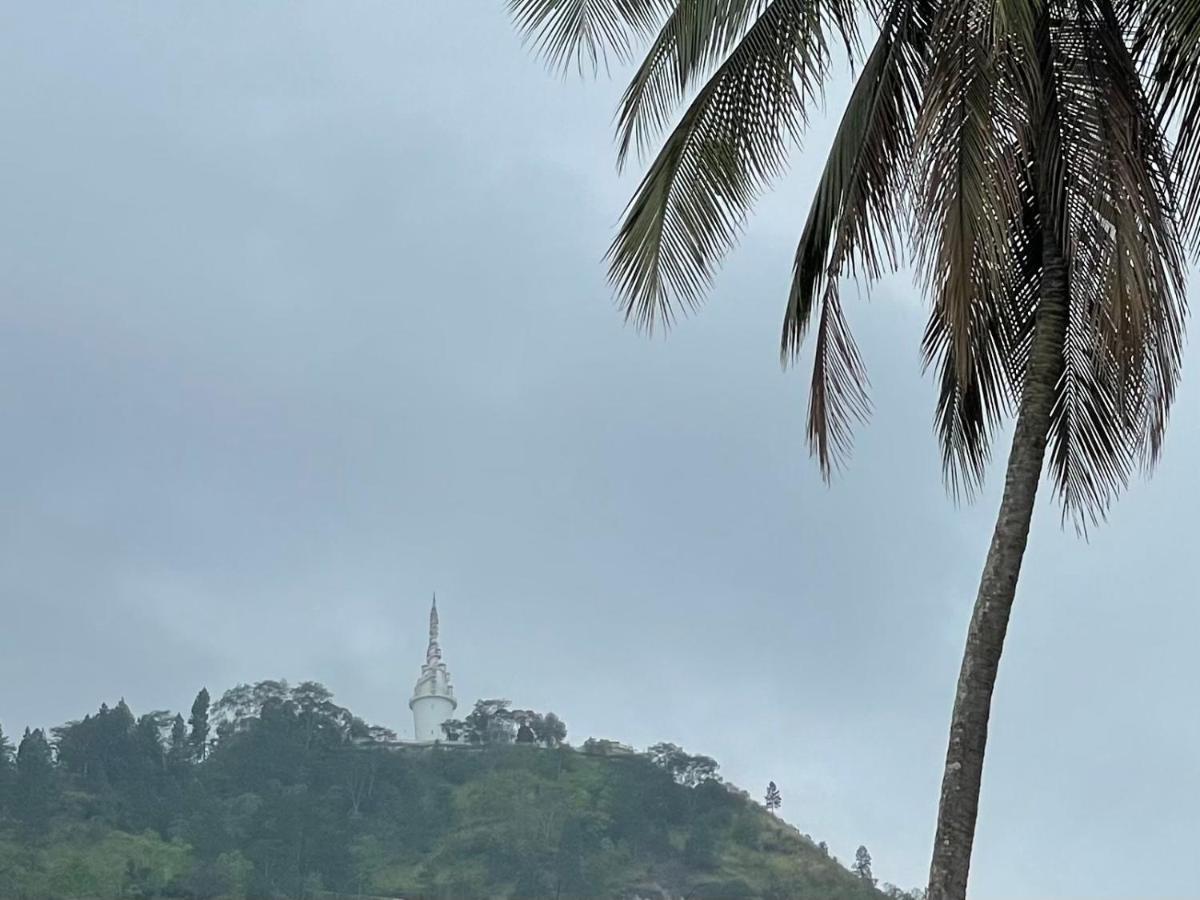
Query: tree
(496,722)
(8,759)
(179,747)
(862,864)
(553,730)
(549,729)
(773,799)
(321,718)
(33,793)
(490,722)
(1018,148)
(198,721)
(148,737)
(8,770)
(686,769)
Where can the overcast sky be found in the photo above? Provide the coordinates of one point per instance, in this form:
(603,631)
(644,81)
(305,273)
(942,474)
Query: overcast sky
(303,318)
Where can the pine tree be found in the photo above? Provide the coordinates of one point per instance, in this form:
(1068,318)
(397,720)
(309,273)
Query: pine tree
(34,759)
(198,721)
(34,789)
(179,748)
(123,720)
(773,799)
(862,864)
(148,740)
(7,759)
(8,770)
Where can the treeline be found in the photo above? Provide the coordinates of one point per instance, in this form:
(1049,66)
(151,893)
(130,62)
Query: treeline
(277,791)
(495,722)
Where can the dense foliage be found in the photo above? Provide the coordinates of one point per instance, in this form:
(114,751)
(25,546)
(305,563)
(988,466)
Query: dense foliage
(276,791)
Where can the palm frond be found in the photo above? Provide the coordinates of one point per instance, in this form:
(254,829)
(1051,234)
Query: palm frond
(694,39)
(732,139)
(586,32)
(837,396)
(1013,23)
(1117,217)
(972,208)
(968,413)
(966,195)
(858,218)
(1167,44)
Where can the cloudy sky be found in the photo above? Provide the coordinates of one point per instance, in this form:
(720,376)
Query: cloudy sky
(303,318)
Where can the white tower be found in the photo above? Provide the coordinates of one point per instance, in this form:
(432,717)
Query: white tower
(433,700)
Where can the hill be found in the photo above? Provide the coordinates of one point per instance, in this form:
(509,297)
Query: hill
(278,792)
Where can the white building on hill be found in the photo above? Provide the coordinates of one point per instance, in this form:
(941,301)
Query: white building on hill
(432,700)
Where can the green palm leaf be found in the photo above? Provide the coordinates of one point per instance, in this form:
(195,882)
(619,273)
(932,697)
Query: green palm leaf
(968,412)
(857,222)
(586,32)
(1168,44)
(692,42)
(1117,217)
(730,141)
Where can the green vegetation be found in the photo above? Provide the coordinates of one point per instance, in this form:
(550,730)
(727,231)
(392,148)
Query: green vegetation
(276,791)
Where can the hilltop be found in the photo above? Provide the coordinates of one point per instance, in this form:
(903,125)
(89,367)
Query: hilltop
(279,792)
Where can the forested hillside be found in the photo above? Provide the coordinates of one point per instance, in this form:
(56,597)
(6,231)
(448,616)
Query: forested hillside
(276,791)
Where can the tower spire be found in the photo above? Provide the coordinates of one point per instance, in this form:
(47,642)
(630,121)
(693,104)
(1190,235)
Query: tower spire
(433,654)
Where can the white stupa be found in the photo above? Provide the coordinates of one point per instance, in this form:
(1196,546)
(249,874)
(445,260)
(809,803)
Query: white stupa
(432,700)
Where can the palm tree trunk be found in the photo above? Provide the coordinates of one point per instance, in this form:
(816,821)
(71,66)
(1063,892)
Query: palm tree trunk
(959,803)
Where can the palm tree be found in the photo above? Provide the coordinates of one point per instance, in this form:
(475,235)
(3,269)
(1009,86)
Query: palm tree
(1011,151)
